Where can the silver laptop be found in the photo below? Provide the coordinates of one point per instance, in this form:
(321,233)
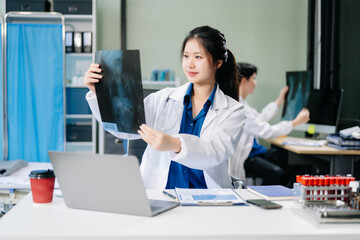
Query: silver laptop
(109,183)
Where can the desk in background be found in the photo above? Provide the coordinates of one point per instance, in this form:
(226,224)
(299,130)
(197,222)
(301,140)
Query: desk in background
(56,221)
(341,161)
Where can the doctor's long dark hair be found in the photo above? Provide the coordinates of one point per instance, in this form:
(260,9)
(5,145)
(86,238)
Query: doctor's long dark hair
(214,43)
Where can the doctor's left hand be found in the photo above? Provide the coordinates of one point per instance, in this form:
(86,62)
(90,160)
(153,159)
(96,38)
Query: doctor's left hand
(158,140)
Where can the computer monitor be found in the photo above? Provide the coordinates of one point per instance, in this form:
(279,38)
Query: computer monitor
(324,106)
(299,83)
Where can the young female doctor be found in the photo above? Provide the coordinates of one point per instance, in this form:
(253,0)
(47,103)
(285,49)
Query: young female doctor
(250,156)
(191,130)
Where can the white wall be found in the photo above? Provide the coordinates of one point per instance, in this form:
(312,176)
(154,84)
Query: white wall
(271,34)
(108,24)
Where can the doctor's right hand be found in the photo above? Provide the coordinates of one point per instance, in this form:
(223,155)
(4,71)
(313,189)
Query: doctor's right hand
(92,76)
(302,117)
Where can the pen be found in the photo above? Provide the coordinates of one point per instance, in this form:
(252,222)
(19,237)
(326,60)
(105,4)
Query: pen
(169,194)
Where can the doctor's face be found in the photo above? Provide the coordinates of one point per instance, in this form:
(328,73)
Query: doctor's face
(249,84)
(197,64)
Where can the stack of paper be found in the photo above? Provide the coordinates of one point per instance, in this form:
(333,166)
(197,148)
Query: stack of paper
(338,141)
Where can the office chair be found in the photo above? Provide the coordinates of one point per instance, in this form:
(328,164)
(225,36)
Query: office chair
(253,180)
(271,169)
(258,168)
(237,183)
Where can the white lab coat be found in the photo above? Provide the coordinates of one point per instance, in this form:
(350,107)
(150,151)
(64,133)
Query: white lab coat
(219,136)
(256,126)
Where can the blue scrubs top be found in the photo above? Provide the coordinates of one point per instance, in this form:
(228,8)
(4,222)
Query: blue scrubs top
(179,175)
(257,149)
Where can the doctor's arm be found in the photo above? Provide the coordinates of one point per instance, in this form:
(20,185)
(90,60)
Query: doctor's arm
(259,128)
(281,98)
(302,117)
(213,147)
(92,76)
(270,110)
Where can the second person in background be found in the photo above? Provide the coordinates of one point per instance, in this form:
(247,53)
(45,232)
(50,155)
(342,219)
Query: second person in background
(252,158)
(192,130)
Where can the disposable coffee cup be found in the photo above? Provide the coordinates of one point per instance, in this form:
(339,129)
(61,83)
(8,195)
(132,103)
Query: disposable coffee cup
(42,185)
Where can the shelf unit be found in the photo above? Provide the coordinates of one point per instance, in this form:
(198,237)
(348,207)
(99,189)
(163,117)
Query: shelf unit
(175,83)
(81,126)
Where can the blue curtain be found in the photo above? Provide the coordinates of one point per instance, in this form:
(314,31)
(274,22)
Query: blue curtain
(35,91)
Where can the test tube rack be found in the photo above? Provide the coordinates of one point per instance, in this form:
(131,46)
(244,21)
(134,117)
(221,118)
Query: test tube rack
(329,198)
(325,193)
(323,188)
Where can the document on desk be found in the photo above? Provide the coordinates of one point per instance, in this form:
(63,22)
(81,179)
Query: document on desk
(208,197)
(303,142)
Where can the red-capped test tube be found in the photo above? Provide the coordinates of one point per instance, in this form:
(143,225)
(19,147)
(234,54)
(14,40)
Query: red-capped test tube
(326,185)
(321,185)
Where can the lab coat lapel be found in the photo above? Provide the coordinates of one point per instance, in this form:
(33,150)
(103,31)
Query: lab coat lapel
(210,116)
(178,106)
(178,110)
(220,101)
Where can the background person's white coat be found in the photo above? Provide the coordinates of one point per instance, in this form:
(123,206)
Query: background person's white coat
(257,125)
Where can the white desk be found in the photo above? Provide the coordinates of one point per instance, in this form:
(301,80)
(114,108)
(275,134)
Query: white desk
(56,221)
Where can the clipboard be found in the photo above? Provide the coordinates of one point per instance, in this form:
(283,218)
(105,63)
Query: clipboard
(208,197)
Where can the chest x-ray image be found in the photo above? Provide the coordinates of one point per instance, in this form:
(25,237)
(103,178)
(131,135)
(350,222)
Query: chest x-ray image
(119,92)
(296,98)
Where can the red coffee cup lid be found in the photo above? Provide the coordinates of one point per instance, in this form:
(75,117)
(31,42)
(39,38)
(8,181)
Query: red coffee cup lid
(42,174)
